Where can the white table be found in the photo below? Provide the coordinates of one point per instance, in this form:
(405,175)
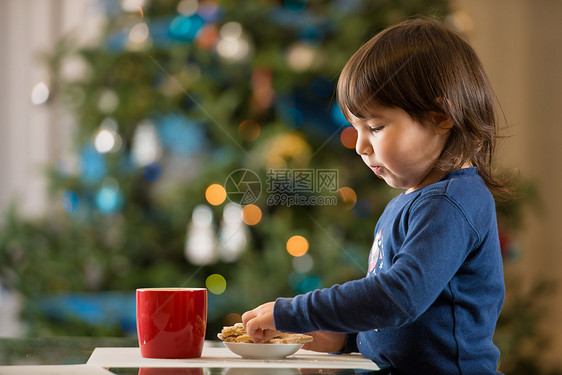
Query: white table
(221,357)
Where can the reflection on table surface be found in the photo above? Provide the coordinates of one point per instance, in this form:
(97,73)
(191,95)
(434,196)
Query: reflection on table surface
(238,371)
(77,350)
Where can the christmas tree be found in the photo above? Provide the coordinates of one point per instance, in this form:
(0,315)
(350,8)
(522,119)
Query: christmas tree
(208,150)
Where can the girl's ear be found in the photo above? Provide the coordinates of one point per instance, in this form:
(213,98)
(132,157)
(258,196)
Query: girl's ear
(442,122)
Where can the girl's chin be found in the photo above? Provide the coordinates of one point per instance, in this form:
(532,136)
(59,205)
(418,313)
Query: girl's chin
(396,184)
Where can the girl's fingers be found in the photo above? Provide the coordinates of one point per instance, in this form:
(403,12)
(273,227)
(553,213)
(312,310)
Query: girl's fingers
(268,334)
(259,322)
(247,316)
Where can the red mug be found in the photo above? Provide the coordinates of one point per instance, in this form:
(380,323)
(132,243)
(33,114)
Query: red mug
(171,322)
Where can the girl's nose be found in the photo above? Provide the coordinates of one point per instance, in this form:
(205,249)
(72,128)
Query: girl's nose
(363,146)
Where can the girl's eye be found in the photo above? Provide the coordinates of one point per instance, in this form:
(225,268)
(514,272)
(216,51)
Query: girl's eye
(376,129)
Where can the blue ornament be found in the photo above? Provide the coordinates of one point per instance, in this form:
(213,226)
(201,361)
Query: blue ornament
(309,112)
(160,32)
(338,117)
(294,16)
(93,164)
(152,171)
(109,199)
(184,28)
(291,118)
(312,36)
(181,135)
(309,284)
(301,283)
(70,201)
(116,41)
(296,6)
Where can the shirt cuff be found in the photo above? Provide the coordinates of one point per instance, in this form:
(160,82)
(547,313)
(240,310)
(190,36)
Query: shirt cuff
(350,345)
(288,318)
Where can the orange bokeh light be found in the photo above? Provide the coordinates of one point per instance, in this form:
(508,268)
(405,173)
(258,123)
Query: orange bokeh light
(215,194)
(348,137)
(347,196)
(249,130)
(297,246)
(231,319)
(251,214)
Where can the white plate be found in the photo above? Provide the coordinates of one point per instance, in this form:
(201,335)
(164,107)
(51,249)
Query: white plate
(262,351)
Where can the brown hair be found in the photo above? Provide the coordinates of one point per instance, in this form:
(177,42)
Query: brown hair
(422,66)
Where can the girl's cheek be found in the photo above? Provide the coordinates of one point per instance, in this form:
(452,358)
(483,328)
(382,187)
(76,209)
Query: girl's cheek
(381,150)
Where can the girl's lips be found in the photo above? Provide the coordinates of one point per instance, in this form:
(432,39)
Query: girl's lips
(376,169)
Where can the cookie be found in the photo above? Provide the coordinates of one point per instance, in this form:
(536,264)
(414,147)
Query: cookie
(242,338)
(235,330)
(291,338)
(237,333)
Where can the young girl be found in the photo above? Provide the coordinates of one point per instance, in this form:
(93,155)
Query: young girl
(423,109)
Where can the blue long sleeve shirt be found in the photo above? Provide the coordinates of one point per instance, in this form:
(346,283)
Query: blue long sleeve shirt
(434,289)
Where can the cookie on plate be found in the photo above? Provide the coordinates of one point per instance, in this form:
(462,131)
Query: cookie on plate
(237,333)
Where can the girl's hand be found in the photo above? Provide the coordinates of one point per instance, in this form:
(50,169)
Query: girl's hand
(325,341)
(259,322)
(260,325)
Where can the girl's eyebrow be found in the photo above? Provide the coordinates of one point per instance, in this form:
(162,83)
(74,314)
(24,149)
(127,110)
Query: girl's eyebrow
(376,114)
(376,117)
(373,114)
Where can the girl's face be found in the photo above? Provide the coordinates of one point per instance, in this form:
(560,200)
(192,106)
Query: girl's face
(399,149)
